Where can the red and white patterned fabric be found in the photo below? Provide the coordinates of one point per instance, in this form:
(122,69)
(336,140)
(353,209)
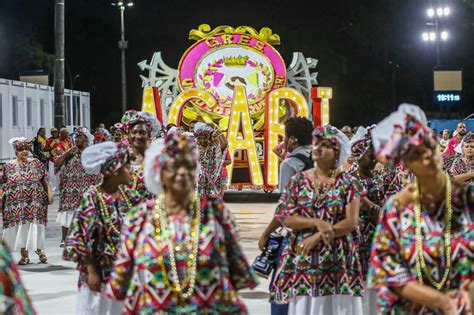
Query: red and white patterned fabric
(26,200)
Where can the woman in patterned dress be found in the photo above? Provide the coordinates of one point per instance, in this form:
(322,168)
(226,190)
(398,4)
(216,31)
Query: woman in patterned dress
(463,166)
(139,129)
(180,252)
(73,179)
(320,271)
(26,195)
(13,297)
(374,197)
(95,229)
(422,258)
(211,160)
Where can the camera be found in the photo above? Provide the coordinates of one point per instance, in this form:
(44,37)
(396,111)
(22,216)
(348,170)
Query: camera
(266,261)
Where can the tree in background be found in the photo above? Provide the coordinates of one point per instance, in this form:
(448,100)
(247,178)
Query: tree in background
(30,55)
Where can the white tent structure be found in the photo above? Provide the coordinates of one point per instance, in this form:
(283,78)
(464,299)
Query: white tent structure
(25,107)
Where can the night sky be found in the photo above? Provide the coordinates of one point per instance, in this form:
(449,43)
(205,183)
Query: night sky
(354,42)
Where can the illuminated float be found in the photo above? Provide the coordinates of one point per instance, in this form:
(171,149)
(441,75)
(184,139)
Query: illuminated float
(234,79)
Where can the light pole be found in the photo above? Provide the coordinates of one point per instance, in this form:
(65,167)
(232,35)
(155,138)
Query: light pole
(123,45)
(74,81)
(59,109)
(435,36)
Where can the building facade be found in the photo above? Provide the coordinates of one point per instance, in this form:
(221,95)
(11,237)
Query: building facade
(25,107)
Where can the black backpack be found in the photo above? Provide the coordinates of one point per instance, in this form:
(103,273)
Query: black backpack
(307,160)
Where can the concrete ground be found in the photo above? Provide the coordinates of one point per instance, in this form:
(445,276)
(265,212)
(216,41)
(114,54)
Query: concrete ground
(53,288)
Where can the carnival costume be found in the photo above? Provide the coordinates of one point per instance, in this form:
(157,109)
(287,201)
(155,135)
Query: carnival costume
(59,147)
(13,296)
(95,228)
(461,164)
(211,162)
(373,189)
(74,181)
(329,279)
(25,201)
(412,244)
(130,119)
(174,264)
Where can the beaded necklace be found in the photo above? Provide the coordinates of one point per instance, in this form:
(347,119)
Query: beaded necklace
(162,233)
(105,215)
(420,259)
(326,187)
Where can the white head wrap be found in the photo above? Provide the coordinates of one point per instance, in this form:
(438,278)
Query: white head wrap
(162,151)
(345,148)
(155,124)
(14,140)
(173,129)
(359,135)
(332,133)
(385,130)
(188,134)
(93,157)
(202,128)
(87,133)
(152,178)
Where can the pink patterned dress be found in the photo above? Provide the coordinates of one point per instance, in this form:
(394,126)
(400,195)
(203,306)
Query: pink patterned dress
(329,270)
(222,268)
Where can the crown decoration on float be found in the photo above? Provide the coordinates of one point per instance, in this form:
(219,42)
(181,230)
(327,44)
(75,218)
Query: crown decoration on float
(239,61)
(236,80)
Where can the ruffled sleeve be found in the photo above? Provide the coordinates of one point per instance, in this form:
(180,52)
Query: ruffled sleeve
(387,266)
(122,271)
(241,274)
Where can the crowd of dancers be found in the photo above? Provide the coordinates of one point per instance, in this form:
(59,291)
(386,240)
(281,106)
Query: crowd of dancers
(383,217)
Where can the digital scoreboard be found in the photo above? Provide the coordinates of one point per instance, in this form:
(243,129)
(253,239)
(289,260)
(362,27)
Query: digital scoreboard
(447,97)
